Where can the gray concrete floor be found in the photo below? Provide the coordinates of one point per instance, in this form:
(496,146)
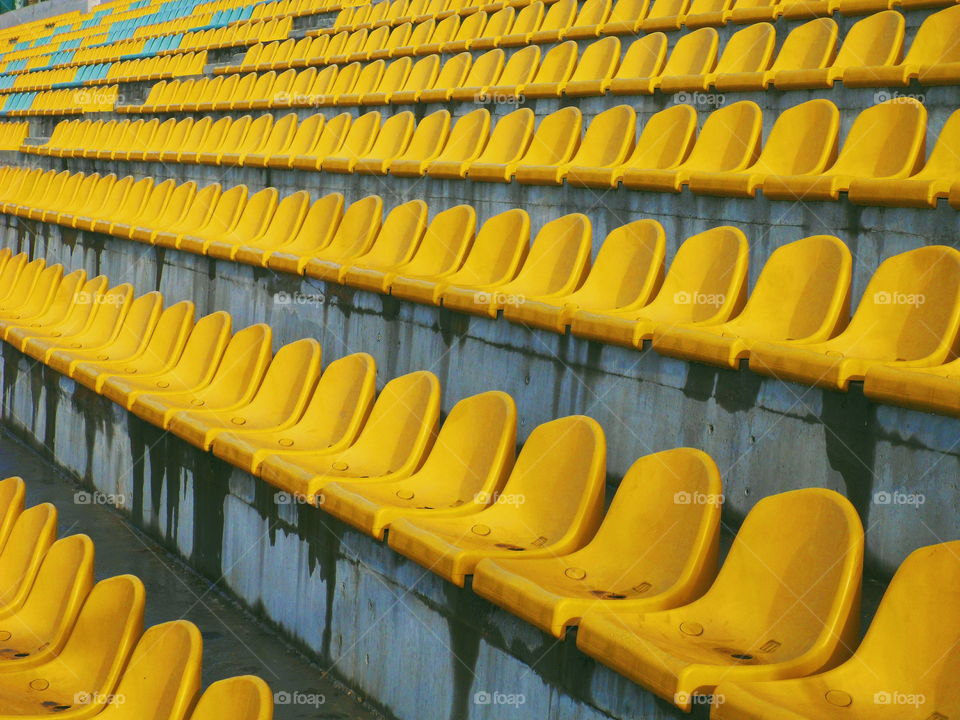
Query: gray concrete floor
(234,642)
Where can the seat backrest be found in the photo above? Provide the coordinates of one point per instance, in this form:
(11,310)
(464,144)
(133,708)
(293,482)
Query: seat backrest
(559,258)
(288,381)
(599,60)
(628,268)
(666,139)
(521,67)
(667,8)
(792,575)
(560,16)
(240,698)
(556,138)
(430,136)
(608,139)
(12,493)
(485,69)
(358,228)
(510,137)
(706,279)
(395,75)
(423,74)
(202,352)
(748,50)
(694,53)
(393,137)
(361,135)
(32,534)
(558,63)
(468,135)
(398,237)
(803,291)
(885,140)
(341,400)
(504,20)
(809,46)
(803,140)
(729,138)
(498,251)
(877,39)
(935,41)
(454,71)
(445,243)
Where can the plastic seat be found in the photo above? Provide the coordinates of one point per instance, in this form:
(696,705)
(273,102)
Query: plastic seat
(907,653)
(665,15)
(192,369)
(45,311)
(254,245)
(729,141)
(38,630)
(162,679)
(628,271)
(693,54)
(423,74)
(332,418)
(502,21)
(368,78)
(785,604)
(551,504)
(606,144)
(933,56)
(464,471)
(517,72)
(556,265)
(494,258)
(876,40)
(78,682)
(393,243)
(245,697)
(508,141)
(554,143)
(802,296)
(885,141)
(656,549)
(237,218)
(232,384)
(30,535)
(922,189)
(560,15)
(483,72)
(705,285)
(748,11)
(466,141)
(357,141)
(128,335)
(279,400)
(160,211)
(706,13)
(393,79)
(151,353)
(332,137)
(445,243)
(803,141)
(451,75)
(392,444)
(352,233)
(908,317)
(390,142)
(555,70)
(749,50)
(306,136)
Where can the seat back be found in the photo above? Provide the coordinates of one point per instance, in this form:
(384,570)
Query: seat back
(429,137)
(803,140)
(357,230)
(877,39)
(394,136)
(287,383)
(748,50)
(242,368)
(398,238)
(809,46)
(468,136)
(12,493)
(423,74)
(598,61)
(341,401)
(510,137)
(521,67)
(485,69)
(33,532)
(707,279)
(944,160)
(729,139)
(559,62)
(693,54)
(454,71)
(445,243)
(369,77)
(240,698)
(498,251)
(666,139)
(202,352)
(609,138)
(935,41)
(395,75)
(559,258)
(560,16)
(886,140)
(556,138)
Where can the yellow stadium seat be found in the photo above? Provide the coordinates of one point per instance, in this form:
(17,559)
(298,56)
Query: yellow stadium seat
(330,139)
(227,214)
(749,50)
(625,17)
(29,537)
(162,679)
(82,678)
(191,370)
(351,235)
(331,419)
(748,11)
(656,549)
(729,141)
(908,318)
(556,266)
(156,351)
(627,272)
(802,296)
(391,140)
(803,141)
(392,444)
(551,504)
(296,221)
(551,77)
(45,310)
(706,13)
(159,213)
(644,59)
(922,189)
(394,242)
(262,228)
(445,243)
(460,476)
(307,133)
(665,15)
(423,74)
(234,382)
(595,70)
(876,40)
(885,141)
(557,18)
(278,401)
(128,205)
(517,72)
(38,630)
(508,142)
(784,604)
(502,20)
(245,697)
(494,258)
(357,140)
(483,72)
(705,285)
(906,657)
(464,144)
(693,54)
(607,143)
(553,145)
